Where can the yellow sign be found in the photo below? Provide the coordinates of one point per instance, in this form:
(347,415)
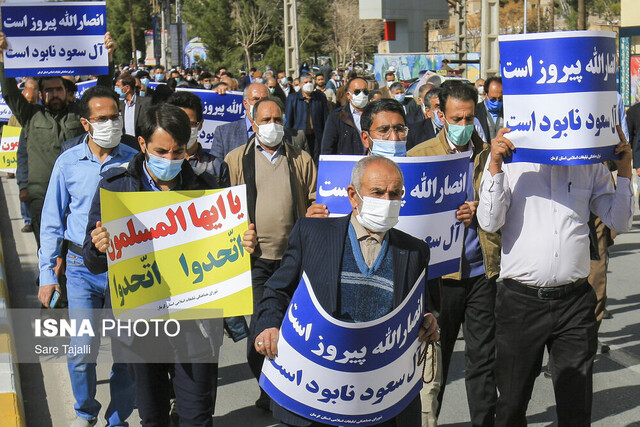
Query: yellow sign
(172,251)
(9,148)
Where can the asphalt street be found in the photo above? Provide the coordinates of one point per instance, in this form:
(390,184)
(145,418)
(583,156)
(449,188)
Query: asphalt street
(48,399)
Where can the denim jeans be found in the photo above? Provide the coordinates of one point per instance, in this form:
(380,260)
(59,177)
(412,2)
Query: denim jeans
(25,210)
(87,291)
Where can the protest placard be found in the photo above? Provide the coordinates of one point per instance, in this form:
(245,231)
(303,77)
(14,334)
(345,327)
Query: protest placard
(5,111)
(54,39)
(344,373)
(175,250)
(83,86)
(217,110)
(435,186)
(560,96)
(9,148)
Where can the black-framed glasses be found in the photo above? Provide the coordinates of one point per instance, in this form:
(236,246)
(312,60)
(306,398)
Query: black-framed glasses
(356,92)
(385,131)
(194,124)
(104,119)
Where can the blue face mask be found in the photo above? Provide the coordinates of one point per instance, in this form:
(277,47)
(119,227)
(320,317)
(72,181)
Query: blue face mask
(142,93)
(399,97)
(436,119)
(383,147)
(164,169)
(494,106)
(119,91)
(159,77)
(458,134)
(144,81)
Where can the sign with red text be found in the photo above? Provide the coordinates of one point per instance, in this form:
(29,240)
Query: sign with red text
(175,250)
(9,148)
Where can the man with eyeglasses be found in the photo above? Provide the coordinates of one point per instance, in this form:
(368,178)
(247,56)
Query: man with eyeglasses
(489,112)
(342,131)
(468,296)
(72,186)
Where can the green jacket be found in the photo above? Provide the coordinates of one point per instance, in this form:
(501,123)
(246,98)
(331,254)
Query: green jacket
(44,131)
(490,243)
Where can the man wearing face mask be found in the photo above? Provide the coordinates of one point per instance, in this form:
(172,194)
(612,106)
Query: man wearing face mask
(468,296)
(284,87)
(479,84)
(159,74)
(307,111)
(397,92)
(489,112)
(362,271)
(426,128)
(281,184)
(65,213)
(45,127)
(385,88)
(131,105)
(328,93)
(342,131)
(200,160)
(235,134)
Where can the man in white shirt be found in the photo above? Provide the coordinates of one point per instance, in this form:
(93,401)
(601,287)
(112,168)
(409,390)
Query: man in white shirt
(545,299)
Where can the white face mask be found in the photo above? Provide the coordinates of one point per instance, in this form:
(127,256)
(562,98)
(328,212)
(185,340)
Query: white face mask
(193,138)
(307,87)
(270,134)
(378,215)
(258,80)
(360,100)
(107,134)
(390,83)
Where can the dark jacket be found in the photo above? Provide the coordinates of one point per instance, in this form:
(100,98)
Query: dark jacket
(43,130)
(481,114)
(130,180)
(296,115)
(279,93)
(633,122)
(341,136)
(413,111)
(141,105)
(420,131)
(316,247)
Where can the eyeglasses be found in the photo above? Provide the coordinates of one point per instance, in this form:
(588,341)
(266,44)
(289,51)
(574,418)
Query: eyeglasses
(104,119)
(356,92)
(385,131)
(194,124)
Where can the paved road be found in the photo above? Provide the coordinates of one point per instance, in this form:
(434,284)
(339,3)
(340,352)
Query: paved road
(47,393)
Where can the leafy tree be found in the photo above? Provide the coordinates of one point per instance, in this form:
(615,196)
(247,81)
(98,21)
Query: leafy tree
(314,27)
(119,26)
(209,20)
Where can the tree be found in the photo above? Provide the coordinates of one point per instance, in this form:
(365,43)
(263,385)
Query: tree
(251,21)
(313,27)
(209,20)
(350,33)
(119,25)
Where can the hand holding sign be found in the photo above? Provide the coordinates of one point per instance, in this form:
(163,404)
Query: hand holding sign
(429,331)
(501,148)
(109,44)
(266,342)
(3,45)
(100,238)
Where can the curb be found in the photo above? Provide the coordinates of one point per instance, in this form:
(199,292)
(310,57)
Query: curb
(11,408)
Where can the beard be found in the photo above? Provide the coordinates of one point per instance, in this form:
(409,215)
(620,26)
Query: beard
(56,104)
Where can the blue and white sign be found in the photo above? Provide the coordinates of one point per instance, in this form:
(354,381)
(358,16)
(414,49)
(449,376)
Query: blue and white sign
(560,96)
(217,110)
(5,111)
(435,186)
(342,373)
(53,39)
(83,86)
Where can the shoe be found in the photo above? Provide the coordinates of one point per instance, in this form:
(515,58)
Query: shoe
(604,349)
(547,372)
(81,422)
(27,228)
(606,314)
(264,401)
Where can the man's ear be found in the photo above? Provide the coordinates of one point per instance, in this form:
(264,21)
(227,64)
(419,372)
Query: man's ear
(85,124)
(142,144)
(364,137)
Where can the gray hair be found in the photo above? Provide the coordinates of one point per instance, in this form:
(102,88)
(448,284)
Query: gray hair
(396,85)
(361,166)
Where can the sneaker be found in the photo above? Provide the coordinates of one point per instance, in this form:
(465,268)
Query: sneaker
(81,422)
(27,228)
(606,314)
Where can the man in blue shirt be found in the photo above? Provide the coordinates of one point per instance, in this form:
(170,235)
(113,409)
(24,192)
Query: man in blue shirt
(73,183)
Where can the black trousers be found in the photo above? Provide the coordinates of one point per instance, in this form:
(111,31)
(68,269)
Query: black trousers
(36,206)
(525,325)
(470,302)
(261,270)
(194,385)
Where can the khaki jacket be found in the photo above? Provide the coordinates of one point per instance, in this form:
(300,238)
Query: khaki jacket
(490,243)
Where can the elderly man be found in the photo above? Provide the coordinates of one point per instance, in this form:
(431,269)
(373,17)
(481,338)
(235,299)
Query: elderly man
(281,184)
(307,111)
(468,295)
(426,128)
(545,299)
(362,272)
(229,136)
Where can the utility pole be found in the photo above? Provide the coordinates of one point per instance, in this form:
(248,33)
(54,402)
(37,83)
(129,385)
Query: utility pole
(552,16)
(582,16)
(525,16)
(133,35)
(291,47)
(460,9)
(490,28)
(179,27)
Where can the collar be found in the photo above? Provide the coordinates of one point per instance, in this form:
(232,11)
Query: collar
(152,184)
(362,233)
(88,155)
(278,151)
(133,101)
(353,110)
(454,147)
(247,123)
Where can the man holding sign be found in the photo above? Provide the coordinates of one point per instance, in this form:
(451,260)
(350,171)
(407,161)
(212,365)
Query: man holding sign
(542,212)
(361,272)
